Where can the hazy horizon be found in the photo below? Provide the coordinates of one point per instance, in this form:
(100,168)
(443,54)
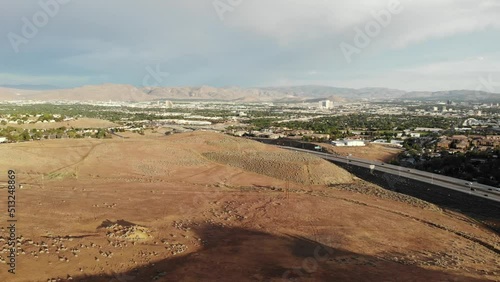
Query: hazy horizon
(54,87)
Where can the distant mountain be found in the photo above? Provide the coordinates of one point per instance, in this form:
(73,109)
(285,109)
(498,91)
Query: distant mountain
(216,94)
(455,95)
(336,99)
(106,92)
(348,93)
(308,93)
(282,94)
(10,94)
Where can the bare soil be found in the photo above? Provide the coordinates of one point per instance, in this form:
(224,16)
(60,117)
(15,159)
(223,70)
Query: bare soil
(176,208)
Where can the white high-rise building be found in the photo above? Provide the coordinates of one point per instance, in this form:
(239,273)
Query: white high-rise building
(327,104)
(169,104)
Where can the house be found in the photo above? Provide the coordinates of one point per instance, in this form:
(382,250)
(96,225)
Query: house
(459,137)
(318,136)
(300,132)
(428,129)
(483,148)
(494,138)
(444,144)
(321,136)
(338,143)
(397,143)
(348,143)
(275,136)
(355,143)
(462,145)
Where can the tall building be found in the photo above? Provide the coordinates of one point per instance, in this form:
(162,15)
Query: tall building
(327,104)
(169,104)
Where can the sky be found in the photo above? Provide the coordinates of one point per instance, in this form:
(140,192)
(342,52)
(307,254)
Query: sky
(412,45)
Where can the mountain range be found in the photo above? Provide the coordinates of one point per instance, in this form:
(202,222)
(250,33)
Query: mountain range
(308,93)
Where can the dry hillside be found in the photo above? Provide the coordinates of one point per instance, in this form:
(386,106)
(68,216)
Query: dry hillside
(208,207)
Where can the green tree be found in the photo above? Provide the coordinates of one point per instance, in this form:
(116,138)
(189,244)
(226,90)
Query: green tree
(25,136)
(72,133)
(101,133)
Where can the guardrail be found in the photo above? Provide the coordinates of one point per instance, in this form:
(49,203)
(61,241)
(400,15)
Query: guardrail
(443,178)
(463,186)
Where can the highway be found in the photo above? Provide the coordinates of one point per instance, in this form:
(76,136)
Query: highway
(460,185)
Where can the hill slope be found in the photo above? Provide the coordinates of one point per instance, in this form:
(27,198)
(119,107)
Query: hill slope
(155,207)
(115,92)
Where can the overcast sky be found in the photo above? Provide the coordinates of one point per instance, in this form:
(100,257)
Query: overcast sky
(416,45)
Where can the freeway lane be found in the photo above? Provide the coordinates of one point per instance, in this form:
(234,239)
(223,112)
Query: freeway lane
(475,189)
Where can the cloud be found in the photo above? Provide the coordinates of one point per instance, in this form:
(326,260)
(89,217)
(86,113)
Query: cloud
(466,73)
(419,21)
(481,64)
(424,20)
(258,42)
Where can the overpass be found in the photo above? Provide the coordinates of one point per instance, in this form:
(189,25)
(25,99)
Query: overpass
(463,186)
